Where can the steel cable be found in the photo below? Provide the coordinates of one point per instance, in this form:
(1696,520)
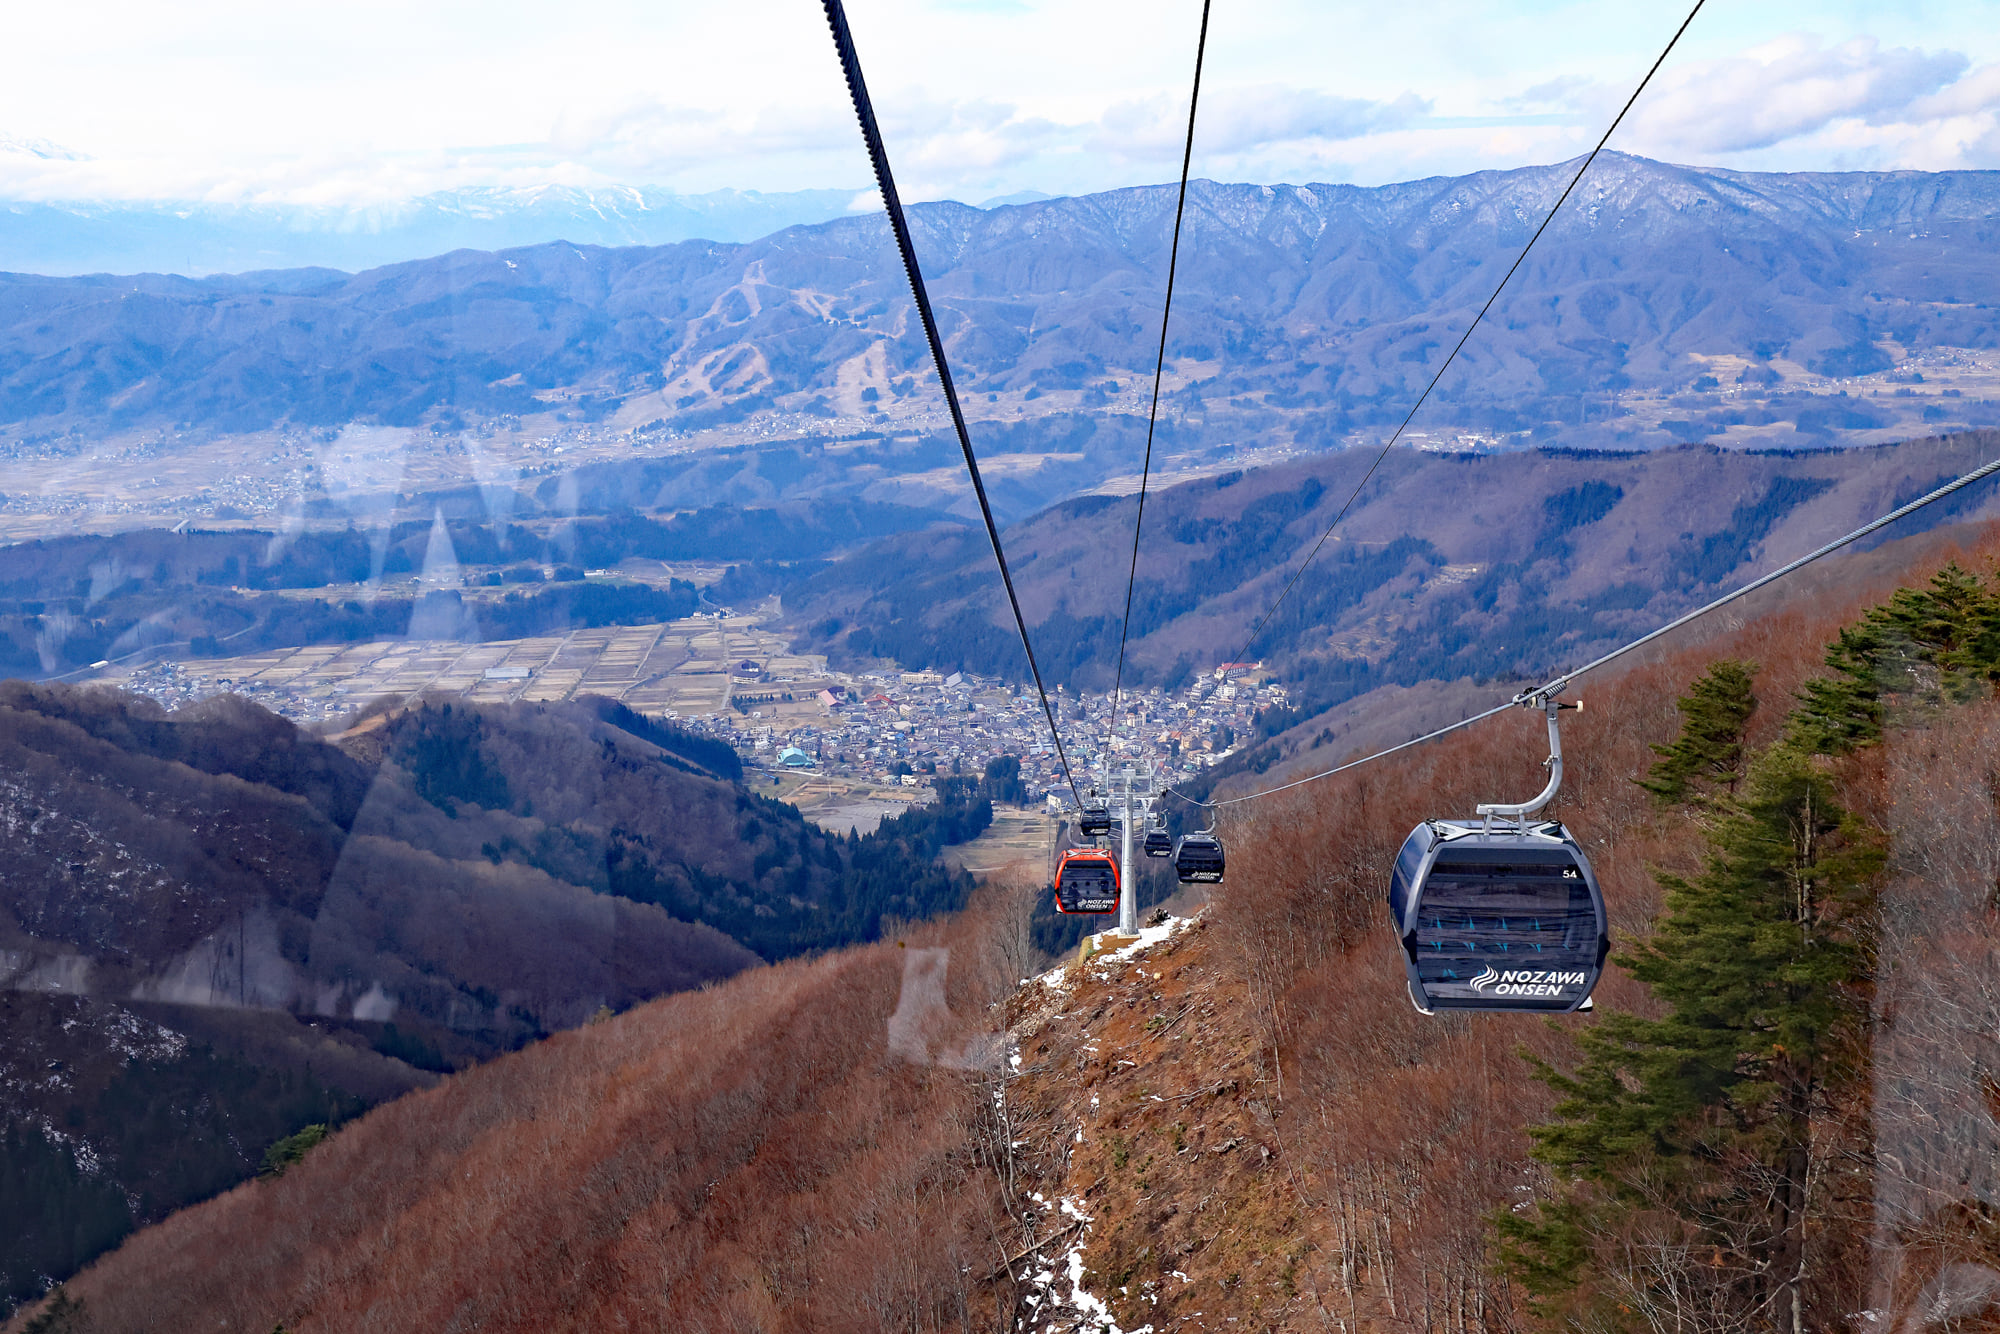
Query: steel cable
(1556,684)
(1242,654)
(864,110)
(1159,369)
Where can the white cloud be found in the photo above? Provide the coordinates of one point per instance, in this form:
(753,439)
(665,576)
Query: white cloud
(1558,93)
(973,138)
(1235,120)
(241,100)
(1787,89)
(1976,92)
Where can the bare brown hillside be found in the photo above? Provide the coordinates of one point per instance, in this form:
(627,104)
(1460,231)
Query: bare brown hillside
(1239,1124)
(1407,1133)
(1152,1174)
(800,1148)
(1390,715)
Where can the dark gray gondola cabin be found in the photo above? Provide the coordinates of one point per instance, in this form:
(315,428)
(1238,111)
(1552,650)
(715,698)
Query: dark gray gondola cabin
(1198,859)
(1504,918)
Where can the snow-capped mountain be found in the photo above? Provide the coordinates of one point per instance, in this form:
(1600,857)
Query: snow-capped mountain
(178,236)
(41,148)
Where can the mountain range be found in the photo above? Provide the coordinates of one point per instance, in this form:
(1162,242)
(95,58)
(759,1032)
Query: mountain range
(1446,566)
(1305,315)
(194,237)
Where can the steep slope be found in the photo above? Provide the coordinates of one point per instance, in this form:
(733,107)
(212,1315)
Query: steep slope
(776,1153)
(138,836)
(216,928)
(1150,1169)
(1247,1124)
(224,855)
(114,1114)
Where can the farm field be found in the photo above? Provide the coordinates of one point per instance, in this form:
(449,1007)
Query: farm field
(681,668)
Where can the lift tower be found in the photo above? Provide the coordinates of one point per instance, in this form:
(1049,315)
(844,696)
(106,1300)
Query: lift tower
(1131,788)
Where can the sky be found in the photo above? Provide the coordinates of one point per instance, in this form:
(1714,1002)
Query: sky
(370,101)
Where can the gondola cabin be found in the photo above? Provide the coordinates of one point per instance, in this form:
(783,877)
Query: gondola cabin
(1198,859)
(1507,918)
(1086,882)
(1159,843)
(1094,820)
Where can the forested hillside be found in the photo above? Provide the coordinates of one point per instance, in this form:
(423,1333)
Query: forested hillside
(69,602)
(1782,1104)
(1447,566)
(220,928)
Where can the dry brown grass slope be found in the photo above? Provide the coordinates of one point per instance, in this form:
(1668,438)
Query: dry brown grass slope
(1366,1146)
(1144,1104)
(1406,1133)
(751,1156)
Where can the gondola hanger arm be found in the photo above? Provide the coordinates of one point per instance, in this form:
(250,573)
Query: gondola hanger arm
(1544,699)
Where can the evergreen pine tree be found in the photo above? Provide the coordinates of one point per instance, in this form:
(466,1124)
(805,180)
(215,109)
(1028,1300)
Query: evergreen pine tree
(1925,647)
(1697,1125)
(1952,625)
(1709,751)
(1686,1141)
(61,1314)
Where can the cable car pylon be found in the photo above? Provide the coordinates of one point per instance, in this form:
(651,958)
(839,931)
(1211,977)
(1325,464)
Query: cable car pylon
(1131,789)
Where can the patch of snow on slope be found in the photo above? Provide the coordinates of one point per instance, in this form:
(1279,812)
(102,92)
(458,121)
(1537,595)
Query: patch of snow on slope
(1149,936)
(1055,1310)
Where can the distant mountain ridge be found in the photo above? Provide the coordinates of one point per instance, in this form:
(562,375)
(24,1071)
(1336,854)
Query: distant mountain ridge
(1304,314)
(188,237)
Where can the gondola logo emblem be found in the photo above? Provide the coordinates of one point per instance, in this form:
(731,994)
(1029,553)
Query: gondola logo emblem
(1528,981)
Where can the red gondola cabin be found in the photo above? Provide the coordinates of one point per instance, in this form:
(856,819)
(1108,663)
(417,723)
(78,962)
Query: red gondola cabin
(1087,882)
